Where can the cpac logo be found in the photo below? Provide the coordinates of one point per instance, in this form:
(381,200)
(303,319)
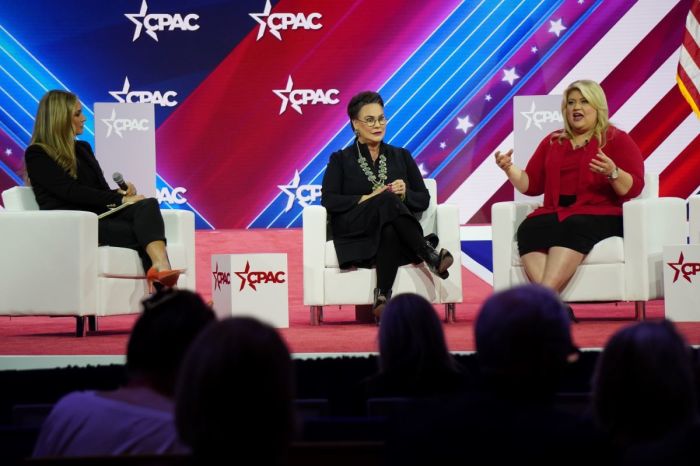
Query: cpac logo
(543,116)
(304,194)
(159,22)
(220,278)
(257,278)
(124,124)
(687,269)
(277,22)
(299,97)
(173,196)
(165,99)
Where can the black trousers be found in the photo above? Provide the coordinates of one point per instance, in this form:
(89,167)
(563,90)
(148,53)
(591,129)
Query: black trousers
(133,227)
(399,244)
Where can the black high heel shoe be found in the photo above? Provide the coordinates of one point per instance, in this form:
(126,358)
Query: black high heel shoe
(437,262)
(380,300)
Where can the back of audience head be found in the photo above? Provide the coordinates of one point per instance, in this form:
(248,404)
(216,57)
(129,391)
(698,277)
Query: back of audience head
(170,321)
(411,338)
(523,341)
(235,393)
(643,385)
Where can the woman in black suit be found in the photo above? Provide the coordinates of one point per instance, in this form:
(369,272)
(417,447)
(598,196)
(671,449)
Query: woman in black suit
(65,175)
(372,192)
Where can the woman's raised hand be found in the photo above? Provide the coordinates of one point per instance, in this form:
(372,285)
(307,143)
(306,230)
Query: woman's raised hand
(504,161)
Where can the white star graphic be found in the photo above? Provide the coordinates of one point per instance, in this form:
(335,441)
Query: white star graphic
(290,190)
(464,124)
(110,124)
(580,2)
(488,97)
(282,94)
(556,27)
(263,23)
(528,115)
(423,171)
(125,90)
(8,152)
(509,76)
(443,145)
(533,49)
(134,18)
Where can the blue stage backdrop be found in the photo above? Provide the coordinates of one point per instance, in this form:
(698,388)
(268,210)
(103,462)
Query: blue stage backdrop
(251,94)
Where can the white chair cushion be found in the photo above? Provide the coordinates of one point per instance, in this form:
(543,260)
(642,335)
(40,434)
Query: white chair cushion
(610,250)
(114,261)
(331,261)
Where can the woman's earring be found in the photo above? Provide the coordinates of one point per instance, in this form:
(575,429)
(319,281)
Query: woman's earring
(357,132)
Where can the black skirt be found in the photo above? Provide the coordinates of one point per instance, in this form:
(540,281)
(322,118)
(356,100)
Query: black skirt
(577,232)
(357,232)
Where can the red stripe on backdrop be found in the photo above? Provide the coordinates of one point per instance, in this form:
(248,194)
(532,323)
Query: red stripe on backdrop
(645,58)
(660,122)
(680,178)
(219,144)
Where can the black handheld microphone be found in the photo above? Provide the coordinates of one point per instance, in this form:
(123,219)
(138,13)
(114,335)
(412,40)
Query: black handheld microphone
(119,179)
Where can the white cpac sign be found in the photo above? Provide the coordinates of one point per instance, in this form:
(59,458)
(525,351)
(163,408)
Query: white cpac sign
(159,22)
(174,196)
(164,99)
(304,194)
(543,116)
(299,97)
(124,124)
(277,22)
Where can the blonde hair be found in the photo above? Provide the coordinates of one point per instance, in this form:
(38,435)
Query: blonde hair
(53,129)
(593,93)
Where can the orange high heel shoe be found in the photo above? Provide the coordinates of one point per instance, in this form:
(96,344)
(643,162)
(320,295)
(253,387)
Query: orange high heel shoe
(162,277)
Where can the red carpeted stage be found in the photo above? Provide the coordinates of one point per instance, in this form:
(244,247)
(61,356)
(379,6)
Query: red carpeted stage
(340,333)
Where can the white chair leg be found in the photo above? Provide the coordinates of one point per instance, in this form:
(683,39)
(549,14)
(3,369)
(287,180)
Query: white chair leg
(450,317)
(316,315)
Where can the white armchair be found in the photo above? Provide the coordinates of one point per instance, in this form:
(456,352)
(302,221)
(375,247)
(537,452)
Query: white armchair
(326,284)
(616,269)
(51,263)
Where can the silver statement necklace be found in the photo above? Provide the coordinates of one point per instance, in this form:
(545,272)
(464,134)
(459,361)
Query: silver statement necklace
(376,183)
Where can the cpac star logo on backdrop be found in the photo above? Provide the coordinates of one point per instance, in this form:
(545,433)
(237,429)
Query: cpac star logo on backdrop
(277,22)
(164,99)
(257,278)
(124,124)
(305,194)
(220,278)
(543,116)
(159,22)
(298,97)
(687,269)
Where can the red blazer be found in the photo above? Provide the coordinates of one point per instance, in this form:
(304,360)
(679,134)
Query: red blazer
(594,193)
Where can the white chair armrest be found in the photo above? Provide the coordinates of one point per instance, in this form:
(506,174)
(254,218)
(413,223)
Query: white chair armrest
(179,229)
(447,217)
(49,262)
(505,219)
(694,219)
(314,243)
(649,225)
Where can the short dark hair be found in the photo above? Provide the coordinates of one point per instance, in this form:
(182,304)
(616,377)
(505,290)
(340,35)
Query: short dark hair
(170,321)
(360,100)
(523,340)
(643,384)
(411,338)
(236,391)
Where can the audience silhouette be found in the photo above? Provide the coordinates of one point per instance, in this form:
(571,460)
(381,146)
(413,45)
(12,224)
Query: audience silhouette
(136,418)
(234,400)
